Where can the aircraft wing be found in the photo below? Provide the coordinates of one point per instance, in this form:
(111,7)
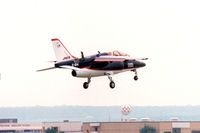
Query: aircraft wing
(142,58)
(62,67)
(137,58)
(116,58)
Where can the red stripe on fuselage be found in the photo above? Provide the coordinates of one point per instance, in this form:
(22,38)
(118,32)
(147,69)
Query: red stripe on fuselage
(109,60)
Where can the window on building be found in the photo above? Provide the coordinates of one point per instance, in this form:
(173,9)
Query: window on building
(167,131)
(195,131)
(55,129)
(96,129)
(176,130)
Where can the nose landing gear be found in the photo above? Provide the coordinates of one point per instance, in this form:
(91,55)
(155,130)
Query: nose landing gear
(135,77)
(112,83)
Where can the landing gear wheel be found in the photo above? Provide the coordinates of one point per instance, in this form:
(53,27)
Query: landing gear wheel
(85,85)
(112,84)
(135,77)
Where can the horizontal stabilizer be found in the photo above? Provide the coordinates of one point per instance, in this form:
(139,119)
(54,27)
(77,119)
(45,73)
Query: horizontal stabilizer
(46,69)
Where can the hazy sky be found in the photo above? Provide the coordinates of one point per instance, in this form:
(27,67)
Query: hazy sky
(167,32)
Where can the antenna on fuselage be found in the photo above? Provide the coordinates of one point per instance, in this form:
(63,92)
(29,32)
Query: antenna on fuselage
(82,55)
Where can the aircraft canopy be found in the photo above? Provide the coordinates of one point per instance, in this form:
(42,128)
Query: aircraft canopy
(117,53)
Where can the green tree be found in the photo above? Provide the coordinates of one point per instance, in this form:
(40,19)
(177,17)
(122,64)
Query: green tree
(147,129)
(51,130)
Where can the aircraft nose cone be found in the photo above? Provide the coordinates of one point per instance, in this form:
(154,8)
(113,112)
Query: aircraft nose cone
(139,64)
(142,64)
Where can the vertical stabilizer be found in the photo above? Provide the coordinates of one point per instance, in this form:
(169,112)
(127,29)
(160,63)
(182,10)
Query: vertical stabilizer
(60,51)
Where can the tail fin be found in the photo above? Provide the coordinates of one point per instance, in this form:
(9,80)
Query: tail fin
(60,51)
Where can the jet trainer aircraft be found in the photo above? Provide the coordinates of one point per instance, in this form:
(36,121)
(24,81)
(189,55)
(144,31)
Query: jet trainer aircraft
(100,64)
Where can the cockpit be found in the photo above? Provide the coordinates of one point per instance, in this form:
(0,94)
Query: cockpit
(117,53)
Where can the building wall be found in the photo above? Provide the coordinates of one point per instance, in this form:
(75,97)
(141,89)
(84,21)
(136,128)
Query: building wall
(20,128)
(66,127)
(195,126)
(165,127)
(134,127)
(103,127)
(118,127)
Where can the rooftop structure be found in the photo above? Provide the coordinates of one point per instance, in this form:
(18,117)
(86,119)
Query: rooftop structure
(8,120)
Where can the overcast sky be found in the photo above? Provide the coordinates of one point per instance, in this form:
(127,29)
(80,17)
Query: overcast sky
(167,32)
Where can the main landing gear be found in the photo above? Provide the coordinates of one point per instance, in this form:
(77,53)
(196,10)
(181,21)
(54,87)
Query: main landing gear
(86,84)
(112,83)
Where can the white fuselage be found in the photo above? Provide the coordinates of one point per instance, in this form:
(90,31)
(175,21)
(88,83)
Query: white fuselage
(85,72)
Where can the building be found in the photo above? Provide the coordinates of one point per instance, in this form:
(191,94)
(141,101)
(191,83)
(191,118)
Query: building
(20,128)
(66,126)
(134,127)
